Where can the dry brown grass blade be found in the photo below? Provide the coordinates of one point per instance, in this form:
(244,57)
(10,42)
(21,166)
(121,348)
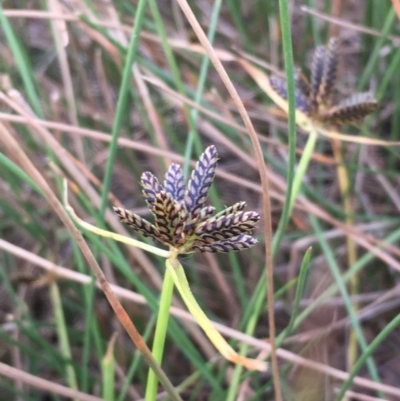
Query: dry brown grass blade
(356,139)
(346,24)
(45,385)
(61,38)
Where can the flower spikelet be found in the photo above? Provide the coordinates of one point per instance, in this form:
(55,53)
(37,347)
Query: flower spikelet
(139,224)
(151,187)
(200,182)
(233,244)
(227,226)
(317,72)
(301,100)
(328,80)
(351,110)
(167,217)
(174,183)
(181,219)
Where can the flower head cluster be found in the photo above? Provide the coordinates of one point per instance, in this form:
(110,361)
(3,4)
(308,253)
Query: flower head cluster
(315,98)
(182,221)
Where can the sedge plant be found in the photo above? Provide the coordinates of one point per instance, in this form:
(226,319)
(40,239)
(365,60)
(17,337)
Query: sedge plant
(186,225)
(318,114)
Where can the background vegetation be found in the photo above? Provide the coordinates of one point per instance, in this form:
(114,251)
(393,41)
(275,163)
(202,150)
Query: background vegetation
(62,62)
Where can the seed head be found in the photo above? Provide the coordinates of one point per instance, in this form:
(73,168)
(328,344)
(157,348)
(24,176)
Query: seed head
(181,219)
(315,98)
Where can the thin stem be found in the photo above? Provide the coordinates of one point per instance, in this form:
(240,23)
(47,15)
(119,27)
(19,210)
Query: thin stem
(344,187)
(178,274)
(160,333)
(108,371)
(297,298)
(289,69)
(122,100)
(63,335)
(110,234)
(303,166)
(337,275)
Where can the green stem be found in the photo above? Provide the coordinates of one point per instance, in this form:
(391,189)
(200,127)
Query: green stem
(108,372)
(63,335)
(122,100)
(366,354)
(160,333)
(303,166)
(289,70)
(250,328)
(299,292)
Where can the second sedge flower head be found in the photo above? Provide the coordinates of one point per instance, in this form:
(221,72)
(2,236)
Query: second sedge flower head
(315,98)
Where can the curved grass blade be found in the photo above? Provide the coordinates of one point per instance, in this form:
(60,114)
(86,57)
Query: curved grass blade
(178,275)
(109,234)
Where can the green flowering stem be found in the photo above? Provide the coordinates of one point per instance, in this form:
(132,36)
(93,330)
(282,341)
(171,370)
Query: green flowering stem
(178,275)
(109,234)
(367,352)
(160,333)
(62,333)
(108,371)
(303,166)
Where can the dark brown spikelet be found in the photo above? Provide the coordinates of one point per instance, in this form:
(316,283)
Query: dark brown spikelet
(351,110)
(329,75)
(233,244)
(224,227)
(151,187)
(301,100)
(317,72)
(167,218)
(139,224)
(174,183)
(200,182)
